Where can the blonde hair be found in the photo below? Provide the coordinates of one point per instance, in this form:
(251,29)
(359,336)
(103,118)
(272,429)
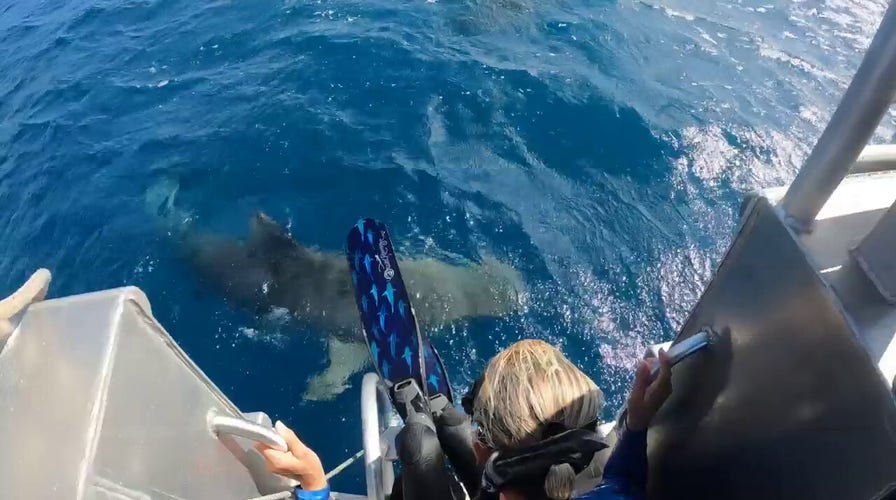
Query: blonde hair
(526,387)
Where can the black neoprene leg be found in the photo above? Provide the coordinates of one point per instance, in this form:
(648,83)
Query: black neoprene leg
(423,472)
(456,437)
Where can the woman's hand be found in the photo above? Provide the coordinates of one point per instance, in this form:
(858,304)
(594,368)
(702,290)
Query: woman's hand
(299,462)
(647,397)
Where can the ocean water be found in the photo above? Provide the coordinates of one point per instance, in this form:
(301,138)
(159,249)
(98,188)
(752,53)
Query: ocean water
(601,147)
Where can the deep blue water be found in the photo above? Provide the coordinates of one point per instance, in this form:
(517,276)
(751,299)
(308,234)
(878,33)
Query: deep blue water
(601,147)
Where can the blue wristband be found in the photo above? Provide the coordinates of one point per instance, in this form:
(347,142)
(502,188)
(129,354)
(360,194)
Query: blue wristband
(321,494)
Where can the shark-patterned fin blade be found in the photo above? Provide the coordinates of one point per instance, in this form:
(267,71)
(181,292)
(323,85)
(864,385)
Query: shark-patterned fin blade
(387,318)
(436,377)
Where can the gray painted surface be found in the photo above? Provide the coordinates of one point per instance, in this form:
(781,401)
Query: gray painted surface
(787,403)
(848,217)
(877,255)
(99,402)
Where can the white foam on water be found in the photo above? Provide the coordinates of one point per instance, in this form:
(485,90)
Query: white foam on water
(768,50)
(278,316)
(252,334)
(758,159)
(146,265)
(674,13)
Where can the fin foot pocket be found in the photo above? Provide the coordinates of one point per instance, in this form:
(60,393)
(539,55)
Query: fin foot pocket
(411,404)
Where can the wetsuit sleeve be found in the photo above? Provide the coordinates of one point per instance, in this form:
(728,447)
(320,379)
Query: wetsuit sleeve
(321,494)
(626,470)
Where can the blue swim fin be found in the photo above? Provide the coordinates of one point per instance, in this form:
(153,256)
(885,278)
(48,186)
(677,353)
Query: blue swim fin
(397,349)
(436,377)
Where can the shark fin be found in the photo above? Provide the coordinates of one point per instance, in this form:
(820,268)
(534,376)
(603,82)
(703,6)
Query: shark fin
(268,239)
(346,359)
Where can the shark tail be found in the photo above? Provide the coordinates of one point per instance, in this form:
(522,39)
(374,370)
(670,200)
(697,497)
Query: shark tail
(159,201)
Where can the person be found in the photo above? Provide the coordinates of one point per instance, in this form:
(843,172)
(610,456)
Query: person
(433,431)
(532,398)
(297,462)
(535,416)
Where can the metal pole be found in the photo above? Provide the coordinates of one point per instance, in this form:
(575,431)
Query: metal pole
(863,105)
(875,158)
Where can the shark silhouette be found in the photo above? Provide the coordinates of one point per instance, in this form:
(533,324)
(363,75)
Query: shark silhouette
(270,269)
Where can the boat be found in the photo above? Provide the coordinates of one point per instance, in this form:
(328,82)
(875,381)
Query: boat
(791,398)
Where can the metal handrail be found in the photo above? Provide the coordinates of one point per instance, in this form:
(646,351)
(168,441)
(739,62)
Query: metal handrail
(875,158)
(374,460)
(234,426)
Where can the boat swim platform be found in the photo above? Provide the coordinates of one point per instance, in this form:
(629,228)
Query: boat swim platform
(788,392)
(856,207)
(99,402)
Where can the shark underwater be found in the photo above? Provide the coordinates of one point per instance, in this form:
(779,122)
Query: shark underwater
(271,269)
